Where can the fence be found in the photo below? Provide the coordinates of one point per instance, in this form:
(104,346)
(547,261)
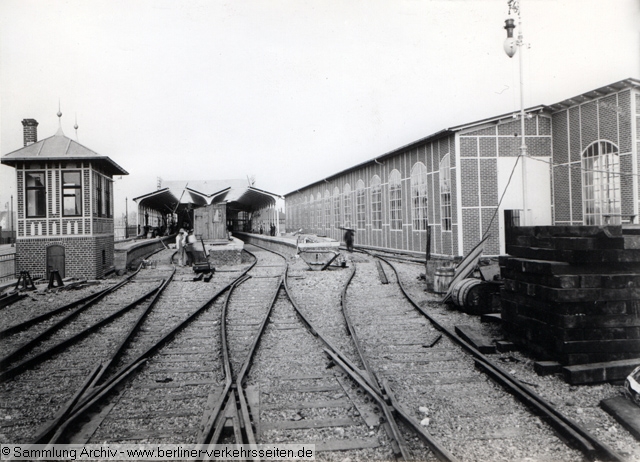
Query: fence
(7,267)
(120,234)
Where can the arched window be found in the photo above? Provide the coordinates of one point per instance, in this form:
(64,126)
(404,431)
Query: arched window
(327,209)
(347,205)
(360,205)
(336,207)
(445,193)
(419,197)
(376,203)
(298,208)
(395,199)
(601,184)
(318,210)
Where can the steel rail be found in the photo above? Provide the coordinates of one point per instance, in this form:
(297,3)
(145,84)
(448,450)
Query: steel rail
(230,395)
(84,406)
(215,421)
(42,317)
(48,314)
(212,427)
(364,377)
(107,365)
(46,354)
(388,254)
(352,333)
(97,392)
(309,325)
(306,321)
(402,446)
(565,427)
(438,449)
(10,298)
(51,426)
(29,344)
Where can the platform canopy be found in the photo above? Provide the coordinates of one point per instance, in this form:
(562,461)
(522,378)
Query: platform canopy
(177,196)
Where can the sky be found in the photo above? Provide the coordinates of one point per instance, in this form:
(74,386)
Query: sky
(286,91)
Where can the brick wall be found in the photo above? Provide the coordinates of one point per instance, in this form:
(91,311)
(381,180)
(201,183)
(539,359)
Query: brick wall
(574,129)
(406,239)
(479,153)
(80,255)
(86,255)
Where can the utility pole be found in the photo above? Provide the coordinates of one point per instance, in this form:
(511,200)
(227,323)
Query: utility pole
(11,221)
(510,49)
(126,218)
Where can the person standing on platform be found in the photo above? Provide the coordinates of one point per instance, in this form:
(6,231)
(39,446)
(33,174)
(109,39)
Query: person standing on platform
(348,239)
(190,241)
(180,244)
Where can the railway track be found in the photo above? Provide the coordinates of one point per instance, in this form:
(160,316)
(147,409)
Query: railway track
(178,346)
(42,377)
(143,406)
(72,328)
(25,329)
(421,357)
(251,358)
(156,387)
(284,389)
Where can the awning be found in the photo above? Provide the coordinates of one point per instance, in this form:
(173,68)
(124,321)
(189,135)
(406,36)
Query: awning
(247,199)
(162,200)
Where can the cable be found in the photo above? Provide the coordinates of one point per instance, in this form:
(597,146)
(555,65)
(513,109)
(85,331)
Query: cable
(582,169)
(484,235)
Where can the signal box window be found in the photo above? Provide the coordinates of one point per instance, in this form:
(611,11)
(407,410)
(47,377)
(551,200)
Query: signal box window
(71,194)
(36,197)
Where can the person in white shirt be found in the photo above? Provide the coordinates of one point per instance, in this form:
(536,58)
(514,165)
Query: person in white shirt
(180,245)
(190,240)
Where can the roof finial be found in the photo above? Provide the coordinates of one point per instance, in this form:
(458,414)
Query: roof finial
(59,132)
(76,127)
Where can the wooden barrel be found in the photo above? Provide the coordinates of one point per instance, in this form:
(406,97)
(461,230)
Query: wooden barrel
(442,278)
(467,294)
(474,296)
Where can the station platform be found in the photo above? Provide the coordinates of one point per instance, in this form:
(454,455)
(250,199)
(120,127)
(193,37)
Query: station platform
(290,244)
(132,251)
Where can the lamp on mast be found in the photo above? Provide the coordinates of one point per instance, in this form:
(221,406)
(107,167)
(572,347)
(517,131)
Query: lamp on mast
(511,46)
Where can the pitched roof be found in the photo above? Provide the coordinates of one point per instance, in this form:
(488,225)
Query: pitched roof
(611,88)
(59,147)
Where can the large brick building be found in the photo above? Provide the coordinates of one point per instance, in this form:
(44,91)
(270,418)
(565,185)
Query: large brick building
(463,182)
(64,206)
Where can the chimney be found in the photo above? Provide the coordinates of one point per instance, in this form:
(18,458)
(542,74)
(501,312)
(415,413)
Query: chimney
(30,131)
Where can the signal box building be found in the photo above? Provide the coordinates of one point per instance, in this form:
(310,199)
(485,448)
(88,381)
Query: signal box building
(466,182)
(64,206)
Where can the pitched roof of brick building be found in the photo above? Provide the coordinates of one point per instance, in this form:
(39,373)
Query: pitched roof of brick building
(58,147)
